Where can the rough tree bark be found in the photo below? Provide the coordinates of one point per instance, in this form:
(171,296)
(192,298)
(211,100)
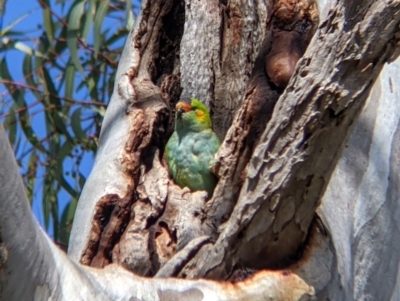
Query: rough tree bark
(274,165)
(32,267)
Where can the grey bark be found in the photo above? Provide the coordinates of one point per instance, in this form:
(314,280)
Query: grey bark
(361,204)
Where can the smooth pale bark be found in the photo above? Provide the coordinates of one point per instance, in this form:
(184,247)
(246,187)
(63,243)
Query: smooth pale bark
(361,207)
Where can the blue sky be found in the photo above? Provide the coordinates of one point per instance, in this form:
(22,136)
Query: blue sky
(29,14)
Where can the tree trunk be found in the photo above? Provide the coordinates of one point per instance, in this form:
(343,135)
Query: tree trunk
(32,267)
(291,146)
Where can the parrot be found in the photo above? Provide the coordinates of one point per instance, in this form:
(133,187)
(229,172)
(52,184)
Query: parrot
(190,150)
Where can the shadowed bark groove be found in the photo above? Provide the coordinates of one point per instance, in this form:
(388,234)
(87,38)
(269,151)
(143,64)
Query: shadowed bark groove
(110,219)
(289,31)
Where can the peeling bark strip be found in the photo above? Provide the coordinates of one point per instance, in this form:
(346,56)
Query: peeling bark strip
(293,160)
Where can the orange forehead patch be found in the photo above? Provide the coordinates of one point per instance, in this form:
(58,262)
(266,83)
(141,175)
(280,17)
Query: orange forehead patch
(183,105)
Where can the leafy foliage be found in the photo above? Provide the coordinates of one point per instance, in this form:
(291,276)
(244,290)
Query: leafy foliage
(53,115)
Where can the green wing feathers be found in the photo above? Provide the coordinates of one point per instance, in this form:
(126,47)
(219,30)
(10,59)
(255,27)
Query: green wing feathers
(189,152)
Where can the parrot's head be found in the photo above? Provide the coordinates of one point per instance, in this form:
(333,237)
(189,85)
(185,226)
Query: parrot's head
(192,116)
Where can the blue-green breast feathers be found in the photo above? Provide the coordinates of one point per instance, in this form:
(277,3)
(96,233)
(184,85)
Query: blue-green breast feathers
(190,150)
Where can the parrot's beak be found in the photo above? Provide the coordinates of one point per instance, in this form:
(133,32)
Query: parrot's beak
(181,107)
(179,113)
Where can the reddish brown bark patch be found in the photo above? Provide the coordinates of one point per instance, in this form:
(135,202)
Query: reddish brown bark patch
(293,24)
(165,241)
(109,221)
(288,48)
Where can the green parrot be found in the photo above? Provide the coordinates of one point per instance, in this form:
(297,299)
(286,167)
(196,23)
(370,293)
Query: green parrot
(190,150)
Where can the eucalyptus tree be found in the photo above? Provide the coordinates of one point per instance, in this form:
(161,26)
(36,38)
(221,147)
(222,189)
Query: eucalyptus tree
(307,170)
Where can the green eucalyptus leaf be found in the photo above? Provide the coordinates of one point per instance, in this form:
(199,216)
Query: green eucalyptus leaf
(48,196)
(10,124)
(89,16)
(41,52)
(44,3)
(74,24)
(69,79)
(120,34)
(63,152)
(61,43)
(31,174)
(7,29)
(99,110)
(28,73)
(98,21)
(76,125)
(82,180)
(48,23)
(21,106)
(54,105)
(54,215)
(129,19)
(67,217)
